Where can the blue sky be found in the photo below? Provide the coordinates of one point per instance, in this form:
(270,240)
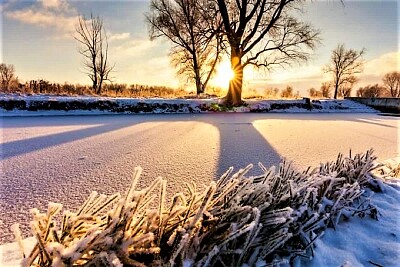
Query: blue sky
(37,39)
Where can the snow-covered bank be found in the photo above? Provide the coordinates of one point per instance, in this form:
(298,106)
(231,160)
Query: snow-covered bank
(364,241)
(22,105)
(11,254)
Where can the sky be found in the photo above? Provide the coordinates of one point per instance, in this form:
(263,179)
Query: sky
(37,38)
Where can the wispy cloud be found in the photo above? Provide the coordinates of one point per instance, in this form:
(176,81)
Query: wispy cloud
(58,15)
(151,71)
(54,4)
(133,48)
(383,64)
(54,14)
(309,75)
(119,36)
(376,68)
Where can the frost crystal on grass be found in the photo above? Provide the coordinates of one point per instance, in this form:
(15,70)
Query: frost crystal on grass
(237,221)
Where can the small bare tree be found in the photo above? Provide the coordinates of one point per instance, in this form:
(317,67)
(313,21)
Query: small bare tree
(344,65)
(196,45)
(312,92)
(94,49)
(373,91)
(391,82)
(7,73)
(326,89)
(288,92)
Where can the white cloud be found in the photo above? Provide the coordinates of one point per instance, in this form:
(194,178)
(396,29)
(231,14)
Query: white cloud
(383,64)
(151,71)
(44,19)
(133,48)
(308,72)
(119,36)
(53,3)
(304,76)
(376,68)
(55,14)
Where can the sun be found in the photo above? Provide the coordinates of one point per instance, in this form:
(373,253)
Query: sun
(223,75)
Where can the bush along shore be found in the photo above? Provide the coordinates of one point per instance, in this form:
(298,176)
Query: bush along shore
(236,221)
(9,103)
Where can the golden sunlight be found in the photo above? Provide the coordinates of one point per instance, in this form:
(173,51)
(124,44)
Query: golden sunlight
(223,75)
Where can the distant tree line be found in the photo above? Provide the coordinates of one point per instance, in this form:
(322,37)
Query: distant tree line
(114,90)
(41,86)
(390,87)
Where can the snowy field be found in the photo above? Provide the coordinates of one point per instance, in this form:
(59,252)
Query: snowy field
(63,159)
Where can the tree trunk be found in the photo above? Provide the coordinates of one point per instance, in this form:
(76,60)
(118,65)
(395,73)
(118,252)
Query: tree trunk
(94,74)
(100,86)
(199,88)
(336,90)
(234,95)
(197,77)
(94,87)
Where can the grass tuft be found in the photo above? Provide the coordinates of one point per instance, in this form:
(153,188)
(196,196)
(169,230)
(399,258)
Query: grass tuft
(237,221)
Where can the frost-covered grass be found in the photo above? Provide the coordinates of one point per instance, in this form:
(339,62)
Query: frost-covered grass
(389,168)
(235,221)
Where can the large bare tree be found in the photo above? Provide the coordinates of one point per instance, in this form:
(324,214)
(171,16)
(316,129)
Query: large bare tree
(344,66)
(263,33)
(7,73)
(391,82)
(91,35)
(191,28)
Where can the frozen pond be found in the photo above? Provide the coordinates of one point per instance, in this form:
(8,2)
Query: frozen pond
(63,159)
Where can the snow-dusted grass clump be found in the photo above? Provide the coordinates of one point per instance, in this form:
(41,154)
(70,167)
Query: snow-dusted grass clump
(235,221)
(389,169)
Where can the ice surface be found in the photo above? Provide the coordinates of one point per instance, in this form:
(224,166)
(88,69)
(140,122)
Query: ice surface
(99,153)
(63,159)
